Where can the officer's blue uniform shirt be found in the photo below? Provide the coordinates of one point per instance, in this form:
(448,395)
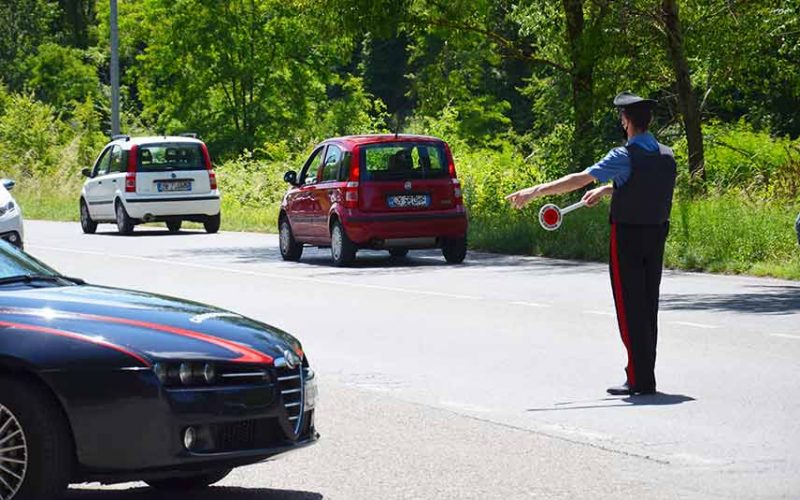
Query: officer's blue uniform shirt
(616,165)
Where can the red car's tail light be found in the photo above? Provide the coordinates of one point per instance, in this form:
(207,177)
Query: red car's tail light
(130,176)
(451,166)
(351,188)
(351,195)
(457,192)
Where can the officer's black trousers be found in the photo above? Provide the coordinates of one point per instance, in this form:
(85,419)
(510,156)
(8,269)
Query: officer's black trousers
(636,259)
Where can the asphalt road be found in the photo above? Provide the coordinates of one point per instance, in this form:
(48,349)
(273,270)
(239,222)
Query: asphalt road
(486,380)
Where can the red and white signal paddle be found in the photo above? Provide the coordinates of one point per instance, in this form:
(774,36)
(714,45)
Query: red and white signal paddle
(550,216)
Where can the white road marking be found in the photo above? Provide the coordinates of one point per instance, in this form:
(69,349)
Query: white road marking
(695,325)
(531,304)
(785,336)
(599,313)
(262,274)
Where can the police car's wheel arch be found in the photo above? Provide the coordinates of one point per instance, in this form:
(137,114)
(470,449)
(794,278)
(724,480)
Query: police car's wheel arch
(88,225)
(48,436)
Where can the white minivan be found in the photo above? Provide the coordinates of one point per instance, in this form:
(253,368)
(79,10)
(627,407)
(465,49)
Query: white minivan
(10,215)
(151,179)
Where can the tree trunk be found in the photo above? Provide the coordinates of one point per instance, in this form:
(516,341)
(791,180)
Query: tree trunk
(687,100)
(582,80)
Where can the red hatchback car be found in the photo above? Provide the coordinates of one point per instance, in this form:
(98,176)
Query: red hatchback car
(392,192)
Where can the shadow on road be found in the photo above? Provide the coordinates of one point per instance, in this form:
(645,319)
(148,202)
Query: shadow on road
(368,261)
(657,399)
(152,232)
(213,493)
(763,299)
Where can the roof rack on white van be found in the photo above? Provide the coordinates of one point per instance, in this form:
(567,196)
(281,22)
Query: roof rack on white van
(117,137)
(193,135)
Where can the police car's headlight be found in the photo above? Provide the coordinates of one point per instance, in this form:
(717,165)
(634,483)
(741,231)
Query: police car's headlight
(310,393)
(8,207)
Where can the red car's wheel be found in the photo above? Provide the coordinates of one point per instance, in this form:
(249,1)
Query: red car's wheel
(290,249)
(343,251)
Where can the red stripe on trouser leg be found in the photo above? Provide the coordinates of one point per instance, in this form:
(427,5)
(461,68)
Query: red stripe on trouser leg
(616,284)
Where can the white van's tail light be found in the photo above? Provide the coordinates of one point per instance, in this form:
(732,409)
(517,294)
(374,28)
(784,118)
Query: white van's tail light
(130,176)
(212,176)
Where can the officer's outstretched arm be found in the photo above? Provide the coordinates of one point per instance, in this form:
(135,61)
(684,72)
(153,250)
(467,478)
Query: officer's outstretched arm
(566,184)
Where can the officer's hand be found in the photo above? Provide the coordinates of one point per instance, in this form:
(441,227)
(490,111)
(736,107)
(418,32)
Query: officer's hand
(522,197)
(593,196)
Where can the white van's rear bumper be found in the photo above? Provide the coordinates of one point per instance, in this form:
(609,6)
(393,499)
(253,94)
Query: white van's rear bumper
(144,207)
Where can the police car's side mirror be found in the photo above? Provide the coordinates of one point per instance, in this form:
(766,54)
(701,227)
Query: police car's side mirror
(86,172)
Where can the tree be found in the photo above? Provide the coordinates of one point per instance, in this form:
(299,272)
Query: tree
(239,71)
(25,24)
(687,100)
(61,76)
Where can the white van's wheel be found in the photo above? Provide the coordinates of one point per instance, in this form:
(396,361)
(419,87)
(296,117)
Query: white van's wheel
(124,222)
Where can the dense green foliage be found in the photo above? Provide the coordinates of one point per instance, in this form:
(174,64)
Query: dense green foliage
(521,90)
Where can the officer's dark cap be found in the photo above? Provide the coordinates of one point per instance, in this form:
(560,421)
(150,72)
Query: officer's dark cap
(629,100)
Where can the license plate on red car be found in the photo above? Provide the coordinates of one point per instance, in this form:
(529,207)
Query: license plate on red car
(408,201)
(172,186)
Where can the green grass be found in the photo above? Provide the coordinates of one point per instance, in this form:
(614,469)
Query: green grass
(40,200)
(722,235)
(726,234)
(48,200)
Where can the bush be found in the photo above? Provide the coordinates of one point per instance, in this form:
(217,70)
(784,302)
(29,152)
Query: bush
(30,137)
(743,159)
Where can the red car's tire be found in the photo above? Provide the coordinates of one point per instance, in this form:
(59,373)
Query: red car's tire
(454,250)
(343,251)
(291,250)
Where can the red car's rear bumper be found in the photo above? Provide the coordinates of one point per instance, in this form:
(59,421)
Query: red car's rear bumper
(365,228)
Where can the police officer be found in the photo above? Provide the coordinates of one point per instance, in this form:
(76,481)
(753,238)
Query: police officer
(642,180)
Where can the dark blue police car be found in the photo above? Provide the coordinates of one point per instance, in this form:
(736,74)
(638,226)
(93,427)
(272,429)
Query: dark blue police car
(110,385)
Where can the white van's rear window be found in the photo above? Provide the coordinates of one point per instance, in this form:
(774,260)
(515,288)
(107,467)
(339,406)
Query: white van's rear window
(164,157)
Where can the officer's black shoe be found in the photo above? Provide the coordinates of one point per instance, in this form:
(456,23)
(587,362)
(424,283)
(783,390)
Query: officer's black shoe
(627,390)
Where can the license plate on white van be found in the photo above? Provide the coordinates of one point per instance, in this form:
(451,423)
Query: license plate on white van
(408,201)
(172,186)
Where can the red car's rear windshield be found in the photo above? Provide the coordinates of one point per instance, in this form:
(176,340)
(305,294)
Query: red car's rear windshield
(164,157)
(403,160)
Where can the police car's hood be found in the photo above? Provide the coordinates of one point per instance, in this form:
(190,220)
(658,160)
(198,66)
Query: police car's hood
(153,327)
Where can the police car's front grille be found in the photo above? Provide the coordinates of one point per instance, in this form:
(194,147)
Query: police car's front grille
(245,435)
(290,384)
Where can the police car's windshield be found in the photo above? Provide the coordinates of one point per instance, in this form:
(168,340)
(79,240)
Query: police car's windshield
(17,266)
